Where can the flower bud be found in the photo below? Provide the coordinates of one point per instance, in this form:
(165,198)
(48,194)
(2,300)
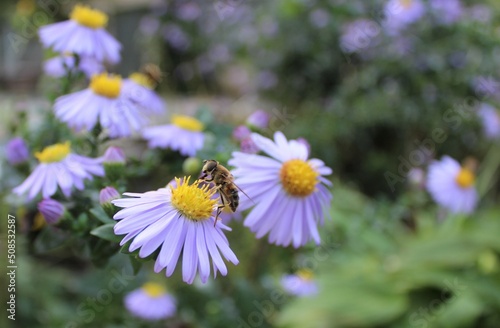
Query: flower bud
(241,132)
(258,119)
(106,195)
(16,151)
(114,155)
(114,163)
(51,210)
(192,166)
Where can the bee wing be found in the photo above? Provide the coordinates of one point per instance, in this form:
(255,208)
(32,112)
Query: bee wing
(244,193)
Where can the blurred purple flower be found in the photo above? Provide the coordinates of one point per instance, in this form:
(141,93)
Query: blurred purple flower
(359,34)
(266,80)
(259,119)
(51,210)
(114,154)
(447,11)
(189,11)
(248,146)
(107,194)
(176,37)
(401,13)
(486,86)
(319,18)
(219,53)
(149,25)
(416,177)
(241,132)
(150,302)
(300,284)
(60,65)
(490,118)
(141,92)
(16,151)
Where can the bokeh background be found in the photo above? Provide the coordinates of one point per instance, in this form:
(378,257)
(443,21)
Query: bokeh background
(367,96)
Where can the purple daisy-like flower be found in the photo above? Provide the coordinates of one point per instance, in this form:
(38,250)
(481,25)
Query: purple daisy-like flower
(288,189)
(490,118)
(83,34)
(447,11)
(51,210)
(59,167)
(358,35)
(174,219)
(105,101)
(300,284)
(401,13)
(185,135)
(452,186)
(150,302)
(16,151)
(259,119)
(60,65)
(140,90)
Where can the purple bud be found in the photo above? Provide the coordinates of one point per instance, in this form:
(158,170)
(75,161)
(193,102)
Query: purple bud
(259,119)
(114,155)
(16,151)
(241,132)
(107,195)
(304,142)
(51,210)
(248,146)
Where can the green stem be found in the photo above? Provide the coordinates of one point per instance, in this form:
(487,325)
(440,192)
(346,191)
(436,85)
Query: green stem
(488,169)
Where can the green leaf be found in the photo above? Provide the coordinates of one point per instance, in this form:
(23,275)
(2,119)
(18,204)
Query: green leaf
(99,214)
(106,232)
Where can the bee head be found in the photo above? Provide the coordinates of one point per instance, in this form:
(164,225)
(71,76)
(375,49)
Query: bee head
(209,166)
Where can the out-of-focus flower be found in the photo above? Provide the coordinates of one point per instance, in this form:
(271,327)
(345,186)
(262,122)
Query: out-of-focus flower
(452,186)
(59,66)
(184,135)
(300,284)
(149,25)
(176,37)
(51,210)
(486,86)
(16,151)
(490,118)
(358,35)
(289,191)
(176,218)
(114,155)
(82,34)
(248,146)
(447,11)
(259,119)
(59,167)
(105,101)
(241,132)
(189,11)
(401,13)
(140,90)
(416,177)
(107,194)
(305,143)
(150,302)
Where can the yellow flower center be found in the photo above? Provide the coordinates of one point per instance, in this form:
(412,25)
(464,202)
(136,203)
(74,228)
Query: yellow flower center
(187,123)
(143,79)
(107,85)
(86,16)
(54,153)
(153,289)
(465,178)
(406,3)
(192,201)
(305,274)
(298,178)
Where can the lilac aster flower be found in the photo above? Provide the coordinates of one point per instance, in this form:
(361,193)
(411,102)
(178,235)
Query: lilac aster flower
(150,302)
(184,135)
(452,186)
(241,132)
(83,34)
(107,194)
(248,146)
(447,11)
(59,167)
(114,155)
(60,65)
(401,13)
(300,284)
(358,35)
(105,101)
(16,151)
(51,210)
(140,90)
(289,191)
(174,219)
(259,119)
(490,118)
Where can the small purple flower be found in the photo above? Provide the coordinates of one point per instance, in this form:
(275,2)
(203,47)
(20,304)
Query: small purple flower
(83,34)
(189,11)
(259,119)
(401,13)
(16,151)
(139,89)
(59,167)
(60,65)
(107,194)
(416,177)
(358,35)
(490,118)
(289,191)
(149,25)
(248,146)
(150,302)
(241,132)
(51,210)
(447,11)
(300,284)
(114,154)
(452,186)
(175,219)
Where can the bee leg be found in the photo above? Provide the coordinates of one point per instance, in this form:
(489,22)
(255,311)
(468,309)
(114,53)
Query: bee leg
(219,209)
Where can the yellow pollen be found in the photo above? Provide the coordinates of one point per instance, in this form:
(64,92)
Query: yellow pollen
(107,85)
(143,79)
(86,16)
(298,178)
(465,178)
(305,274)
(187,123)
(153,289)
(54,153)
(193,201)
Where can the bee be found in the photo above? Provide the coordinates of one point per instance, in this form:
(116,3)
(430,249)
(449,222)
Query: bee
(224,183)
(153,72)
